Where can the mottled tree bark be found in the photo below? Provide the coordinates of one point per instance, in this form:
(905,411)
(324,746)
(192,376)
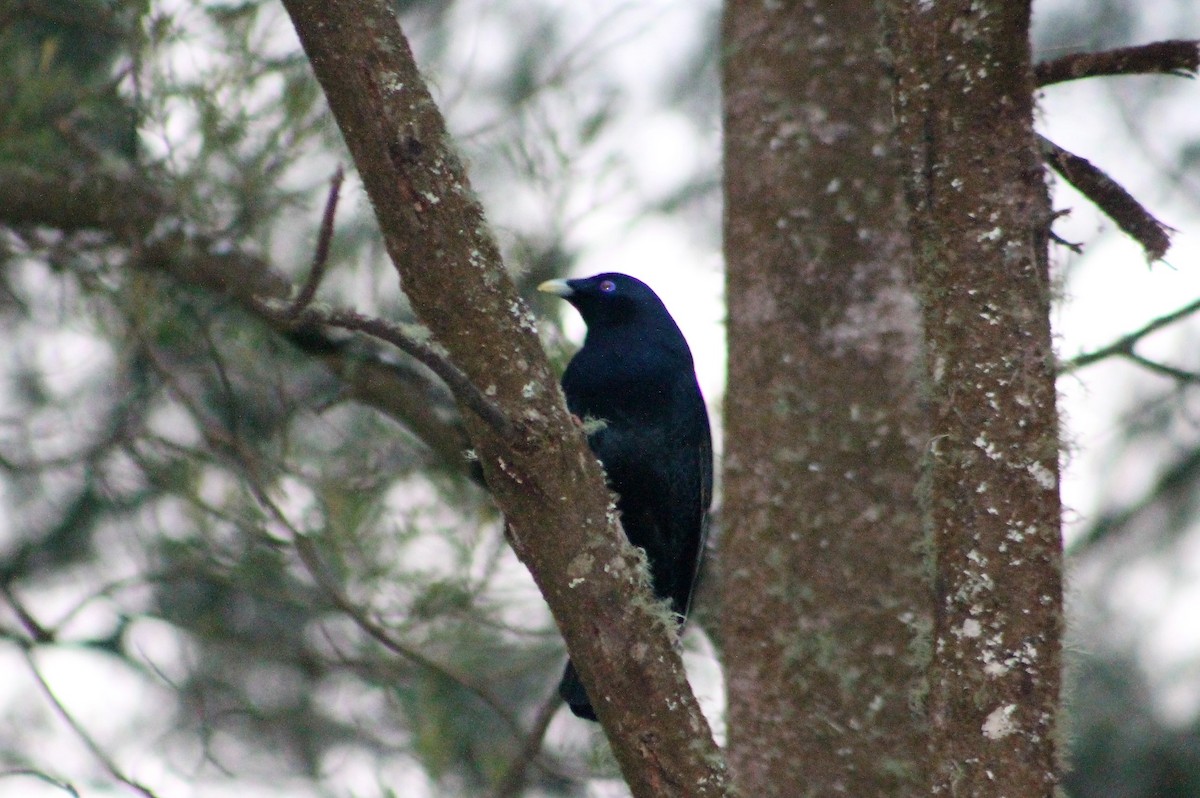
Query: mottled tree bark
(825,596)
(980,219)
(549,486)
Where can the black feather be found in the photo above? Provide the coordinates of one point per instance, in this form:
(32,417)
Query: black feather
(635,374)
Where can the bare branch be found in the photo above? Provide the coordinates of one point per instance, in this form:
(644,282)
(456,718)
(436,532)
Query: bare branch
(460,385)
(1174,485)
(84,736)
(311,559)
(1177,374)
(427,354)
(321,255)
(66,787)
(1073,246)
(1110,197)
(513,780)
(134,212)
(1172,57)
(35,630)
(1124,346)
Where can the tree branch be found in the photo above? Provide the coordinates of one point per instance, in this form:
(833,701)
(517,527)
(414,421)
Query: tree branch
(84,736)
(1162,369)
(1172,57)
(311,559)
(1124,346)
(1110,197)
(37,633)
(548,485)
(134,212)
(1174,486)
(321,256)
(513,781)
(65,786)
(427,354)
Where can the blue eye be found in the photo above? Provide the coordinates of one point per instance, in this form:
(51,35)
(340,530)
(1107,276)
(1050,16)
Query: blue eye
(607,286)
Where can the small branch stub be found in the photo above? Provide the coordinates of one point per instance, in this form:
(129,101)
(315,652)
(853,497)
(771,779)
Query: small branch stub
(1171,57)
(1110,197)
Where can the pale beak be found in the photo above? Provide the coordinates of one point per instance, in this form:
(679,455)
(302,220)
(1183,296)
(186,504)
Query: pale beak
(557,287)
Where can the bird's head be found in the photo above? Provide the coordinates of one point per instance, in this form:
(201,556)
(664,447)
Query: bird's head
(611,300)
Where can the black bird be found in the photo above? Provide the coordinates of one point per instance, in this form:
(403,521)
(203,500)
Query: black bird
(635,375)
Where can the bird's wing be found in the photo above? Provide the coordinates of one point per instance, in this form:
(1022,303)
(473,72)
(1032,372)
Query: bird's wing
(706,491)
(693,486)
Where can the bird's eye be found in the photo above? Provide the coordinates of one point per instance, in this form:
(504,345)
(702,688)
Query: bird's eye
(607,286)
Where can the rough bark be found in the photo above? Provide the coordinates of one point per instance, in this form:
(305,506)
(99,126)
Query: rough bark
(980,217)
(824,590)
(549,486)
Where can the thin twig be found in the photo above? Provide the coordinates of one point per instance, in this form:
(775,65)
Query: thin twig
(1110,197)
(1171,57)
(35,630)
(66,787)
(531,747)
(1073,246)
(321,254)
(1169,487)
(311,559)
(316,568)
(513,780)
(433,358)
(1124,346)
(1179,375)
(459,384)
(84,736)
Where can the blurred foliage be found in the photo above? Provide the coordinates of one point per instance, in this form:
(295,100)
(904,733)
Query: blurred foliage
(1121,748)
(239,515)
(151,426)
(58,65)
(1121,742)
(162,449)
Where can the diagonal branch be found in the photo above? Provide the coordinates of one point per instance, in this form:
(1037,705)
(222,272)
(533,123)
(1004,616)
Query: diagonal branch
(139,215)
(84,736)
(37,633)
(1162,369)
(548,485)
(425,353)
(1110,197)
(321,255)
(1172,57)
(311,559)
(65,786)
(1124,346)
(1175,485)
(512,783)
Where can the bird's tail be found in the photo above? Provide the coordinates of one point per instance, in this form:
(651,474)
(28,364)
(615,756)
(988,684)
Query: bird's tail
(571,690)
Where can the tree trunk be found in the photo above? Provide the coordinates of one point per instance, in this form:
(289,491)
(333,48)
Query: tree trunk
(825,595)
(548,485)
(980,221)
